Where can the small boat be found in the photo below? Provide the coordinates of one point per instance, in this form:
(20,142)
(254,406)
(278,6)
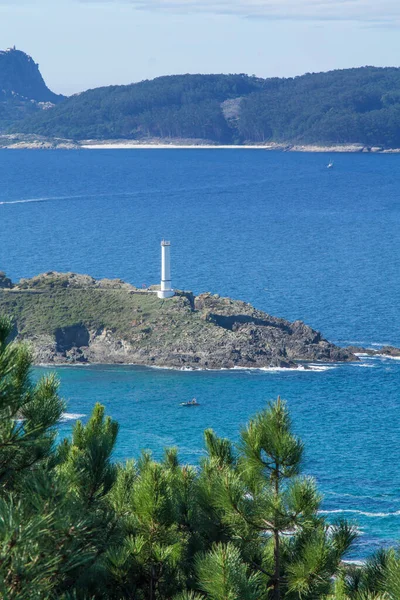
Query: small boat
(190,403)
(330,164)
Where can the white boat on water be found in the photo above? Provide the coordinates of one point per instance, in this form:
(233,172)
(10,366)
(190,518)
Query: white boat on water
(330,164)
(190,403)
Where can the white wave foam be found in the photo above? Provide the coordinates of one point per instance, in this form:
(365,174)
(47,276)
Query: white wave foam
(236,368)
(310,368)
(346,495)
(71,417)
(380,515)
(265,369)
(373,358)
(364,343)
(300,368)
(45,365)
(353,342)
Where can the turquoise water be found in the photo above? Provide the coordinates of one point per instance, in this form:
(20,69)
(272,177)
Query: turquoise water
(275,229)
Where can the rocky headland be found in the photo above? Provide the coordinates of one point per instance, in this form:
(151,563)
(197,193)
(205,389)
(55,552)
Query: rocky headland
(15,141)
(69,318)
(23,92)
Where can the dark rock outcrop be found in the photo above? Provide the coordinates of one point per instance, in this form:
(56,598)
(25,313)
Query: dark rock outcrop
(390,351)
(5,282)
(74,336)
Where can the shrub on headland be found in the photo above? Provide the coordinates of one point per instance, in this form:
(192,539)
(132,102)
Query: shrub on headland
(244,525)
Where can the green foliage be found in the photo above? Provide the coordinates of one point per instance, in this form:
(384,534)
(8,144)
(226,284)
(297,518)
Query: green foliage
(223,575)
(378,579)
(48,532)
(220,450)
(243,526)
(272,512)
(188,595)
(28,413)
(86,460)
(315,556)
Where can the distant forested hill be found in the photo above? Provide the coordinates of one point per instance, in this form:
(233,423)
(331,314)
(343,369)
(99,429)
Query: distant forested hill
(188,106)
(354,105)
(346,106)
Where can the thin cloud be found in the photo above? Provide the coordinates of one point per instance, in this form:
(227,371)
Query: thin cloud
(385,12)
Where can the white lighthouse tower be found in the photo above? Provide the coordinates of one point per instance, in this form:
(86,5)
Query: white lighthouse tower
(165,290)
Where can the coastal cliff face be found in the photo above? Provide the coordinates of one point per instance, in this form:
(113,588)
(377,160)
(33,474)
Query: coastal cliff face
(23,91)
(19,74)
(69,318)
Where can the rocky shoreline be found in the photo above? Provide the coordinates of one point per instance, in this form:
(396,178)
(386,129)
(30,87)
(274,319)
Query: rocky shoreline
(270,146)
(18,141)
(388,351)
(75,319)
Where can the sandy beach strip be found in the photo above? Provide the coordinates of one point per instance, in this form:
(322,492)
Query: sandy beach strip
(132,146)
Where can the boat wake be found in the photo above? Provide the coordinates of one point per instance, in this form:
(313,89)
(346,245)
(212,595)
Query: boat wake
(45,199)
(56,198)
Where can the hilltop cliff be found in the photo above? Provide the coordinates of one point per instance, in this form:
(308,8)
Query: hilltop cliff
(19,74)
(23,91)
(71,318)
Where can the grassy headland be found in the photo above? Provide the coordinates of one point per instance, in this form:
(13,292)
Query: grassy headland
(75,318)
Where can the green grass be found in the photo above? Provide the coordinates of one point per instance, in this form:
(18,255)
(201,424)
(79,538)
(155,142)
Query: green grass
(42,310)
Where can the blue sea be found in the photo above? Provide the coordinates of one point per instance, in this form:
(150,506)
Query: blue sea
(279,230)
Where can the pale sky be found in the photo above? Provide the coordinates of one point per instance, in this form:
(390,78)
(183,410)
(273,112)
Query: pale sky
(81,44)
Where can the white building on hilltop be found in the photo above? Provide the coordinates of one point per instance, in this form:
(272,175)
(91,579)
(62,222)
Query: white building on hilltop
(166,290)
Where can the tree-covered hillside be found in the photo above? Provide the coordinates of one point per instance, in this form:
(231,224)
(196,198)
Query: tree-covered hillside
(354,105)
(346,106)
(186,106)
